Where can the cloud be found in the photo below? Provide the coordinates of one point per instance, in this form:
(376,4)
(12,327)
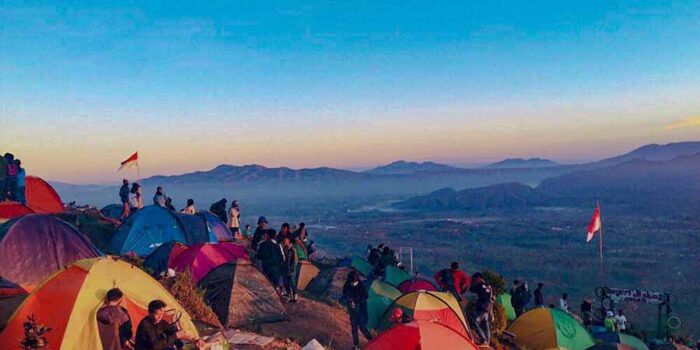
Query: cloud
(684,123)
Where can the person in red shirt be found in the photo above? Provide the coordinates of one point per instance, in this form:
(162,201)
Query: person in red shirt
(453,280)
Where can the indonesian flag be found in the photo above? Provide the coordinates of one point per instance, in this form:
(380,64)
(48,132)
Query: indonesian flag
(129,162)
(595,224)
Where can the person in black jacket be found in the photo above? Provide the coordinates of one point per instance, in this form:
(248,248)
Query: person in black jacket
(355,294)
(219,209)
(539,297)
(480,315)
(124,198)
(155,333)
(258,234)
(271,256)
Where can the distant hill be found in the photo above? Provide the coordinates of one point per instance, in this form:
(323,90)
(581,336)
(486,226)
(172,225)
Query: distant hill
(258,173)
(501,197)
(513,163)
(403,167)
(654,152)
(660,186)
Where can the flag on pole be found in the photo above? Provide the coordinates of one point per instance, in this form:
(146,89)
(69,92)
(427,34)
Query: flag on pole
(595,224)
(129,162)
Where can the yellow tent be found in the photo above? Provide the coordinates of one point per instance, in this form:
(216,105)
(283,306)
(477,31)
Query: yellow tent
(68,300)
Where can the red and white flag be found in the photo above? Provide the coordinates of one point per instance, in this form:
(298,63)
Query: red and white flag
(129,162)
(595,224)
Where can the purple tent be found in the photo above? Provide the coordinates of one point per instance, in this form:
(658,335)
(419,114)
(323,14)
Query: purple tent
(33,247)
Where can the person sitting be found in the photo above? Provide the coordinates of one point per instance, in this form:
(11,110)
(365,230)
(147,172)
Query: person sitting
(564,302)
(155,333)
(479,317)
(114,323)
(189,209)
(453,280)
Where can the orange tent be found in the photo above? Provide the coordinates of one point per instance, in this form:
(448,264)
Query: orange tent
(9,210)
(421,335)
(41,197)
(68,302)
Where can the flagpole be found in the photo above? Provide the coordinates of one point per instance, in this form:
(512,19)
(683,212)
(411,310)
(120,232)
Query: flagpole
(600,245)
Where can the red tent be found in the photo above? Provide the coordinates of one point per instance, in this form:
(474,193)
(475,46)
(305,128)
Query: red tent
(202,258)
(9,210)
(41,197)
(416,284)
(421,335)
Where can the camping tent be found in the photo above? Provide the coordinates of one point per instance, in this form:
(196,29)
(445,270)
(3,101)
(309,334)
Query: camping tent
(329,283)
(380,296)
(422,305)
(41,197)
(161,258)
(112,211)
(395,276)
(362,266)
(9,289)
(307,272)
(197,228)
(241,295)
(216,226)
(416,284)
(547,328)
(611,346)
(10,210)
(202,258)
(505,301)
(621,338)
(421,335)
(152,226)
(69,299)
(34,246)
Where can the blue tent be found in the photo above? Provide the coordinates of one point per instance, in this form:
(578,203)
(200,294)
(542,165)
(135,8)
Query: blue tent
(113,211)
(152,226)
(218,227)
(197,227)
(157,261)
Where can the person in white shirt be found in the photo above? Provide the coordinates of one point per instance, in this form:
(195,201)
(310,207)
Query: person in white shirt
(621,321)
(564,302)
(234,219)
(189,209)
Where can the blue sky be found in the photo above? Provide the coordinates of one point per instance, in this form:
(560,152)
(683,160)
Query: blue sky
(345,84)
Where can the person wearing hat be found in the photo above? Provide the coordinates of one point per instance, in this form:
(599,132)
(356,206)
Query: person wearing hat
(610,324)
(398,317)
(259,232)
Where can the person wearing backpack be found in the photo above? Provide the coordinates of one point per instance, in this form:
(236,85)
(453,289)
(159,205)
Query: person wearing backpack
(453,280)
(480,315)
(114,323)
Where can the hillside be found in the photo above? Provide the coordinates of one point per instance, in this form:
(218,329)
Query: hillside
(403,167)
(659,186)
(514,163)
(654,152)
(502,197)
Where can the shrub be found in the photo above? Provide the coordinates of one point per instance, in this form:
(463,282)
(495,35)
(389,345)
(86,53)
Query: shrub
(190,297)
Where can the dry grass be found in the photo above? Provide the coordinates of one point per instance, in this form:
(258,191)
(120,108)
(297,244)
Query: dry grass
(191,298)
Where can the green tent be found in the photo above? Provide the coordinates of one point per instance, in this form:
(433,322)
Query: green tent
(504,300)
(396,276)
(380,296)
(362,266)
(546,328)
(632,341)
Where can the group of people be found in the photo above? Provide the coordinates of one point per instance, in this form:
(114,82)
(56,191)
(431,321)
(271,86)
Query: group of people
(279,255)
(12,179)
(153,332)
(380,258)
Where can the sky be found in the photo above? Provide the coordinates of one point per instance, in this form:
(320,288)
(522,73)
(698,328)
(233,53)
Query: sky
(348,84)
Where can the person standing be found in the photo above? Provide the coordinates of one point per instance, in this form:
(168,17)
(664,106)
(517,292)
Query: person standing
(219,209)
(479,317)
(539,297)
(259,232)
(453,280)
(21,183)
(289,270)
(610,324)
(114,322)
(355,295)
(11,176)
(564,302)
(271,257)
(135,200)
(124,197)
(234,220)
(3,179)
(159,198)
(189,209)
(621,321)
(587,314)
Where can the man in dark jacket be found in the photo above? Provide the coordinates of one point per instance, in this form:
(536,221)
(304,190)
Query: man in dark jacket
(355,295)
(219,209)
(114,323)
(453,280)
(480,315)
(539,297)
(271,257)
(289,270)
(124,197)
(155,333)
(258,234)
(520,298)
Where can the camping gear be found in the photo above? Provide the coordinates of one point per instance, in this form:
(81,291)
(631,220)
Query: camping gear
(362,266)
(202,258)
(548,328)
(380,296)
(152,226)
(33,246)
(197,227)
(422,305)
(216,226)
(68,300)
(416,284)
(113,211)
(161,258)
(241,295)
(307,272)
(421,335)
(11,210)
(505,301)
(41,197)
(395,276)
